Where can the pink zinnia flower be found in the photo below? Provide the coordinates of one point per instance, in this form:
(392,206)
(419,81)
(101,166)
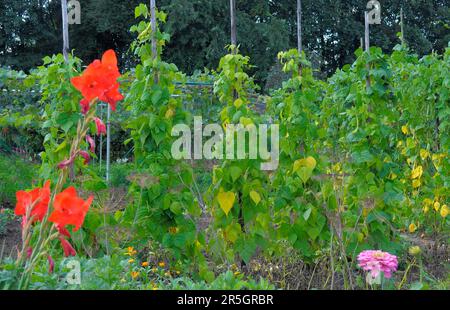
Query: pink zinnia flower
(378,261)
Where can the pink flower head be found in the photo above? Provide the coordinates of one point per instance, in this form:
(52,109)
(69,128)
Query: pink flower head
(66,163)
(376,261)
(51,264)
(86,157)
(85,106)
(91,142)
(101,128)
(67,247)
(29,252)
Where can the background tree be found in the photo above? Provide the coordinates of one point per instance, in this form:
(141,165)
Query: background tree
(31,29)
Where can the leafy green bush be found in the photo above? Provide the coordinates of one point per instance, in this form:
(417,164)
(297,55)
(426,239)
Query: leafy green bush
(15,174)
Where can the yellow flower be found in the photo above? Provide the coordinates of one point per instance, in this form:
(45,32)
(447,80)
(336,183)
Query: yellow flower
(130,261)
(437,206)
(134,274)
(444,211)
(162,264)
(145,264)
(237,273)
(416,183)
(131,251)
(405,130)
(154,269)
(417,173)
(412,228)
(424,154)
(426,209)
(414,250)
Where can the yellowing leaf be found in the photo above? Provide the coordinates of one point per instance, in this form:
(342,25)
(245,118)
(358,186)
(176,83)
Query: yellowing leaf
(255,197)
(308,162)
(444,211)
(226,201)
(238,103)
(417,173)
(405,130)
(424,154)
(170,113)
(304,168)
(416,183)
(437,206)
(245,121)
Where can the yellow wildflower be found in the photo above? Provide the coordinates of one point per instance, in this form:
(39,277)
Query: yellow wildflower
(145,264)
(130,251)
(134,274)
(412,228)
(130,261)
(162,264)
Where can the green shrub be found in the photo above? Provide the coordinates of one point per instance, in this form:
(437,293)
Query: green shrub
(15,174)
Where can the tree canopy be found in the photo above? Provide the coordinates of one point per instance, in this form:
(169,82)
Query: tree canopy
(199,29)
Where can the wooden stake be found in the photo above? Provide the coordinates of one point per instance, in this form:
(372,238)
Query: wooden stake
(233,22)
(402,37)
(65,26)
(299,26)
(367,43)
(299,34)
(154,28)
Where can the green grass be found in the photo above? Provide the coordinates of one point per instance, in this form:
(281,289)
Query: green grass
(15,174)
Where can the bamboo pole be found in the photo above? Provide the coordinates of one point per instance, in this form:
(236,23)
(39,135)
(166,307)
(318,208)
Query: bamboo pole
(299,34)
(233,22)
(367,44)
(65,26)
(402,37)
(108,144)
(154,28)
(299,26)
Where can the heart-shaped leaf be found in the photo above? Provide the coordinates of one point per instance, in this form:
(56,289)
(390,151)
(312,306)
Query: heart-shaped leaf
(226,201)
